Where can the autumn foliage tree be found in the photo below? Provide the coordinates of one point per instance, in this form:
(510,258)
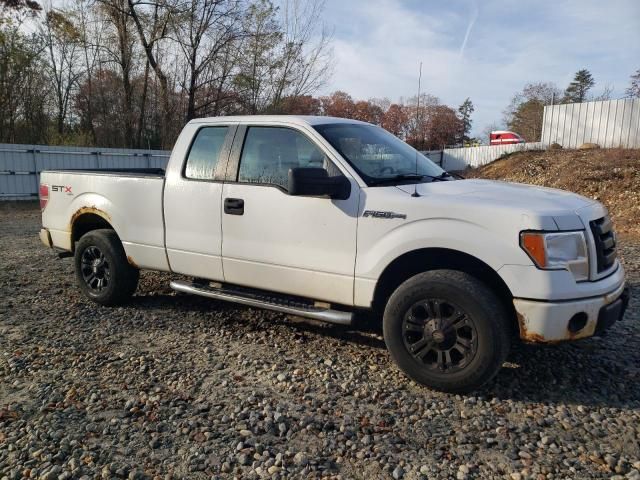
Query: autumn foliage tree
(302,105)
(396,120)
(442,127)
(338,104)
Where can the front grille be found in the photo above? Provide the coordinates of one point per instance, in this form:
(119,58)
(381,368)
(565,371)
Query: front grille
(605,242)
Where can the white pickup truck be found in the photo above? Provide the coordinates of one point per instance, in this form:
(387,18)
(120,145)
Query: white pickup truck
(331,219)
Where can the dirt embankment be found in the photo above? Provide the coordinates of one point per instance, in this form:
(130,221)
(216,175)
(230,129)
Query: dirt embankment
(611,176)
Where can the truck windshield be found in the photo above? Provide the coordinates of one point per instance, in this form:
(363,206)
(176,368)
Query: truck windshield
(379,157)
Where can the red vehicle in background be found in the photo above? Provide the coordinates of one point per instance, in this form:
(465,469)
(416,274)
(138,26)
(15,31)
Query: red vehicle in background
(504,137)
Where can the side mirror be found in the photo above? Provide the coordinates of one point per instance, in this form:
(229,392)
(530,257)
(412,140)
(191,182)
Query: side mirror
(316,182)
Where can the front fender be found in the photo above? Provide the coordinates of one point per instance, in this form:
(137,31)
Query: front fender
(463,236)
(467,237)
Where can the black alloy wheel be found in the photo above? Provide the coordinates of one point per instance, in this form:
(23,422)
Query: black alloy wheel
(440,335)
(447,329)
(95,269)
(103,271)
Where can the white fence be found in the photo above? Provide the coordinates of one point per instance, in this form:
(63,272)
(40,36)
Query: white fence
(461,158)
(20,165)
(610,124)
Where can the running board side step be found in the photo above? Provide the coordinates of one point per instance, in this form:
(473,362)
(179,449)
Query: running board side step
(254,298)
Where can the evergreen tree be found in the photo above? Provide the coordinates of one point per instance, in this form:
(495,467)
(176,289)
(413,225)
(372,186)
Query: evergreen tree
(465,110)
(634,88)
(577,90)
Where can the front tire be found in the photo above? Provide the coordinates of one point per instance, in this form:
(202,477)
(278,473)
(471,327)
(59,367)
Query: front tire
(102,269)
(445,329)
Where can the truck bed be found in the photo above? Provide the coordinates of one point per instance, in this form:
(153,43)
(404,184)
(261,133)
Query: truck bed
(127,200)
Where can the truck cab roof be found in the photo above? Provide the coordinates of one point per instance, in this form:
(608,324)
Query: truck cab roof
(289,119)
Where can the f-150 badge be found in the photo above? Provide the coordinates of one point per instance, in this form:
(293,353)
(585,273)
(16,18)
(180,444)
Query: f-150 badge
(379,214)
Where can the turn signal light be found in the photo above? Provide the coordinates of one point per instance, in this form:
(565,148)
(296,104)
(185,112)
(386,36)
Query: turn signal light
(533,244)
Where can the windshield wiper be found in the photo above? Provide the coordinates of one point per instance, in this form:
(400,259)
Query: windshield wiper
(409,176)
(446,174)
(397,178)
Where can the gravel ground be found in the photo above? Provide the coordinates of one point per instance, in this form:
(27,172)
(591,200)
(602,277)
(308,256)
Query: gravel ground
(176,386)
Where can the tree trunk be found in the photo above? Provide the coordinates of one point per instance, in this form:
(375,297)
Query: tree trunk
(191,103)
(128,113)
(143,102)
(162,78)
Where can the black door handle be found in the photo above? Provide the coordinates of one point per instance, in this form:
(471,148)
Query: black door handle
(233,206)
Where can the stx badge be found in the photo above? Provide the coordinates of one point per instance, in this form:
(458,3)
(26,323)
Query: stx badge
(61,188)
(379,214)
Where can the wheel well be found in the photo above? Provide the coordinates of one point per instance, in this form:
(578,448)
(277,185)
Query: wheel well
(86,223)
(417,261)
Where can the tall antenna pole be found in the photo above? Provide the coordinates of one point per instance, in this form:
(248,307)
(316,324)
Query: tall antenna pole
(415,188)
(418,105)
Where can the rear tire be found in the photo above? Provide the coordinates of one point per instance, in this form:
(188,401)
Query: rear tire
(445,329)
(102,269)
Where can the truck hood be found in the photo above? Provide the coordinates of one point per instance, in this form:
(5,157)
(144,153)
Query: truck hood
(498,194)
(495,203)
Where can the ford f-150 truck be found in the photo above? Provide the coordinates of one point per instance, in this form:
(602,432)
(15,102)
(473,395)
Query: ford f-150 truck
(334,219)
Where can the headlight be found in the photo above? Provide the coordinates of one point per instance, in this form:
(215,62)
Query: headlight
(558,251)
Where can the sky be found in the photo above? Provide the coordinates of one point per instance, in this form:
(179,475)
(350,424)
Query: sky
(484,50)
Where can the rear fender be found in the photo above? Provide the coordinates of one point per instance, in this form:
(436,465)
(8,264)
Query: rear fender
(96,204)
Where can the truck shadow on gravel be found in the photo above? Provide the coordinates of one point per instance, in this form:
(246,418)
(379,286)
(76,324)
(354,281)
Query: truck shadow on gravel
(369,336)
(598,372)
(587,374)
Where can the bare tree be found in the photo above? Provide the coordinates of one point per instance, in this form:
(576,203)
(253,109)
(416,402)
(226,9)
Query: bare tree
(91,31)
(62,42)
(204,31)
(384,103)
(23,85)
(127,72)
(418,115)
(305,54)
(21,5)
(255,56)
(151,20)
(119,49)
(606,94)
(486,131)
(525,111)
